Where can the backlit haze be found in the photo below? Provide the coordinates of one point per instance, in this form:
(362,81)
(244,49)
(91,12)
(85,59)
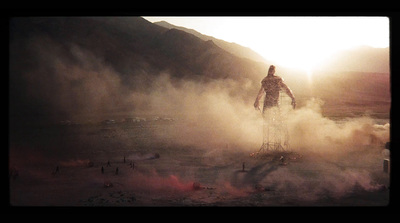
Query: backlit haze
(292,42)
(117,111)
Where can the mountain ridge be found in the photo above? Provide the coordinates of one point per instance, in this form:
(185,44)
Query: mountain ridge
(359,59)
(231,47)
(54,60)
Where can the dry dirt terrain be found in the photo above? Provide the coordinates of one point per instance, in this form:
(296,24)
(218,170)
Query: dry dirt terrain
(61,165)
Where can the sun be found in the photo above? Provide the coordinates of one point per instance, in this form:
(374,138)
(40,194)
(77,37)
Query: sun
(301,43)
(301,60)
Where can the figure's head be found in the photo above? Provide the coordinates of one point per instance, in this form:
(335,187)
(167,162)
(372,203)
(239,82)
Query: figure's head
(271,70)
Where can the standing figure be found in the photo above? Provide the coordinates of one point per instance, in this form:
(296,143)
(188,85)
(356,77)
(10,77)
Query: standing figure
(273,126)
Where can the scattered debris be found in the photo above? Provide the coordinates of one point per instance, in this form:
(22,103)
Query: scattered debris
(151,156)
(198,186)
(66,122)
(281,157)
(90,164)
(108,184)
(134,120)
(156,156)
(132,165)
(260,188)
(108,122)
(386,165)
(282,161)
(113,198)
(157,118)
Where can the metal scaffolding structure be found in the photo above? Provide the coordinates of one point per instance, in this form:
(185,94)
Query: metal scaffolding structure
(275,131)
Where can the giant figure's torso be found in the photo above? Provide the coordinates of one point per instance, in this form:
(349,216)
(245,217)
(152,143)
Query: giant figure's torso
(272,86)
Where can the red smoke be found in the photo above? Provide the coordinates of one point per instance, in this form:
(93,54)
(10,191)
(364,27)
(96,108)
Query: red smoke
(154,182)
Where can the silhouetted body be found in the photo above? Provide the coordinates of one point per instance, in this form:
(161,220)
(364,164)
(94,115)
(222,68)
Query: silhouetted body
(275,134)
(271,85)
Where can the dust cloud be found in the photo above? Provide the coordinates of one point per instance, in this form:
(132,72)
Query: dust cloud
(215,118)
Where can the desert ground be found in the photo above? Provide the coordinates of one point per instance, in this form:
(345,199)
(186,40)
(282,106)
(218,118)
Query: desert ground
(134,162)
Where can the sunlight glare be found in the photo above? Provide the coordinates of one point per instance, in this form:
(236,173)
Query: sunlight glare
(293,42)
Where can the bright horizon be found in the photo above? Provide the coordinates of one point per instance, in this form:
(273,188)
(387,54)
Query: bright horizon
(292,42)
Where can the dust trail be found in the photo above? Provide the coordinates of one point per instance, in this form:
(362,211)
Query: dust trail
(214,118)
(311,131)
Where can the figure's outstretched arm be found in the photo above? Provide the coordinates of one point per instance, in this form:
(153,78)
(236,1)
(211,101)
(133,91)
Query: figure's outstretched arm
(259,96)
(289,92)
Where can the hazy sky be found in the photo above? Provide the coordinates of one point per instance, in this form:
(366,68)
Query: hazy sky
(296,42)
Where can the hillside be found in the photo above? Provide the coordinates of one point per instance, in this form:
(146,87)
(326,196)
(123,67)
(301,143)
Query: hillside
(59,65)
(233,48)
(359,59)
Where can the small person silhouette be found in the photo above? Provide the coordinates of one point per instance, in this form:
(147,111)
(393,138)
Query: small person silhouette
(56,171)
(116,171)
(102,169)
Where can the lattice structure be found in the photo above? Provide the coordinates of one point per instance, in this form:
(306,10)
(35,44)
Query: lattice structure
(275,131)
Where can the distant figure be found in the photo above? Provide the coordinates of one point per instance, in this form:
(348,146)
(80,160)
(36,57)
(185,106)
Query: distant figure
(116,171)
(102,169)
(56,171)
(275,134)
(108,163)
(243,167)
(270,87)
